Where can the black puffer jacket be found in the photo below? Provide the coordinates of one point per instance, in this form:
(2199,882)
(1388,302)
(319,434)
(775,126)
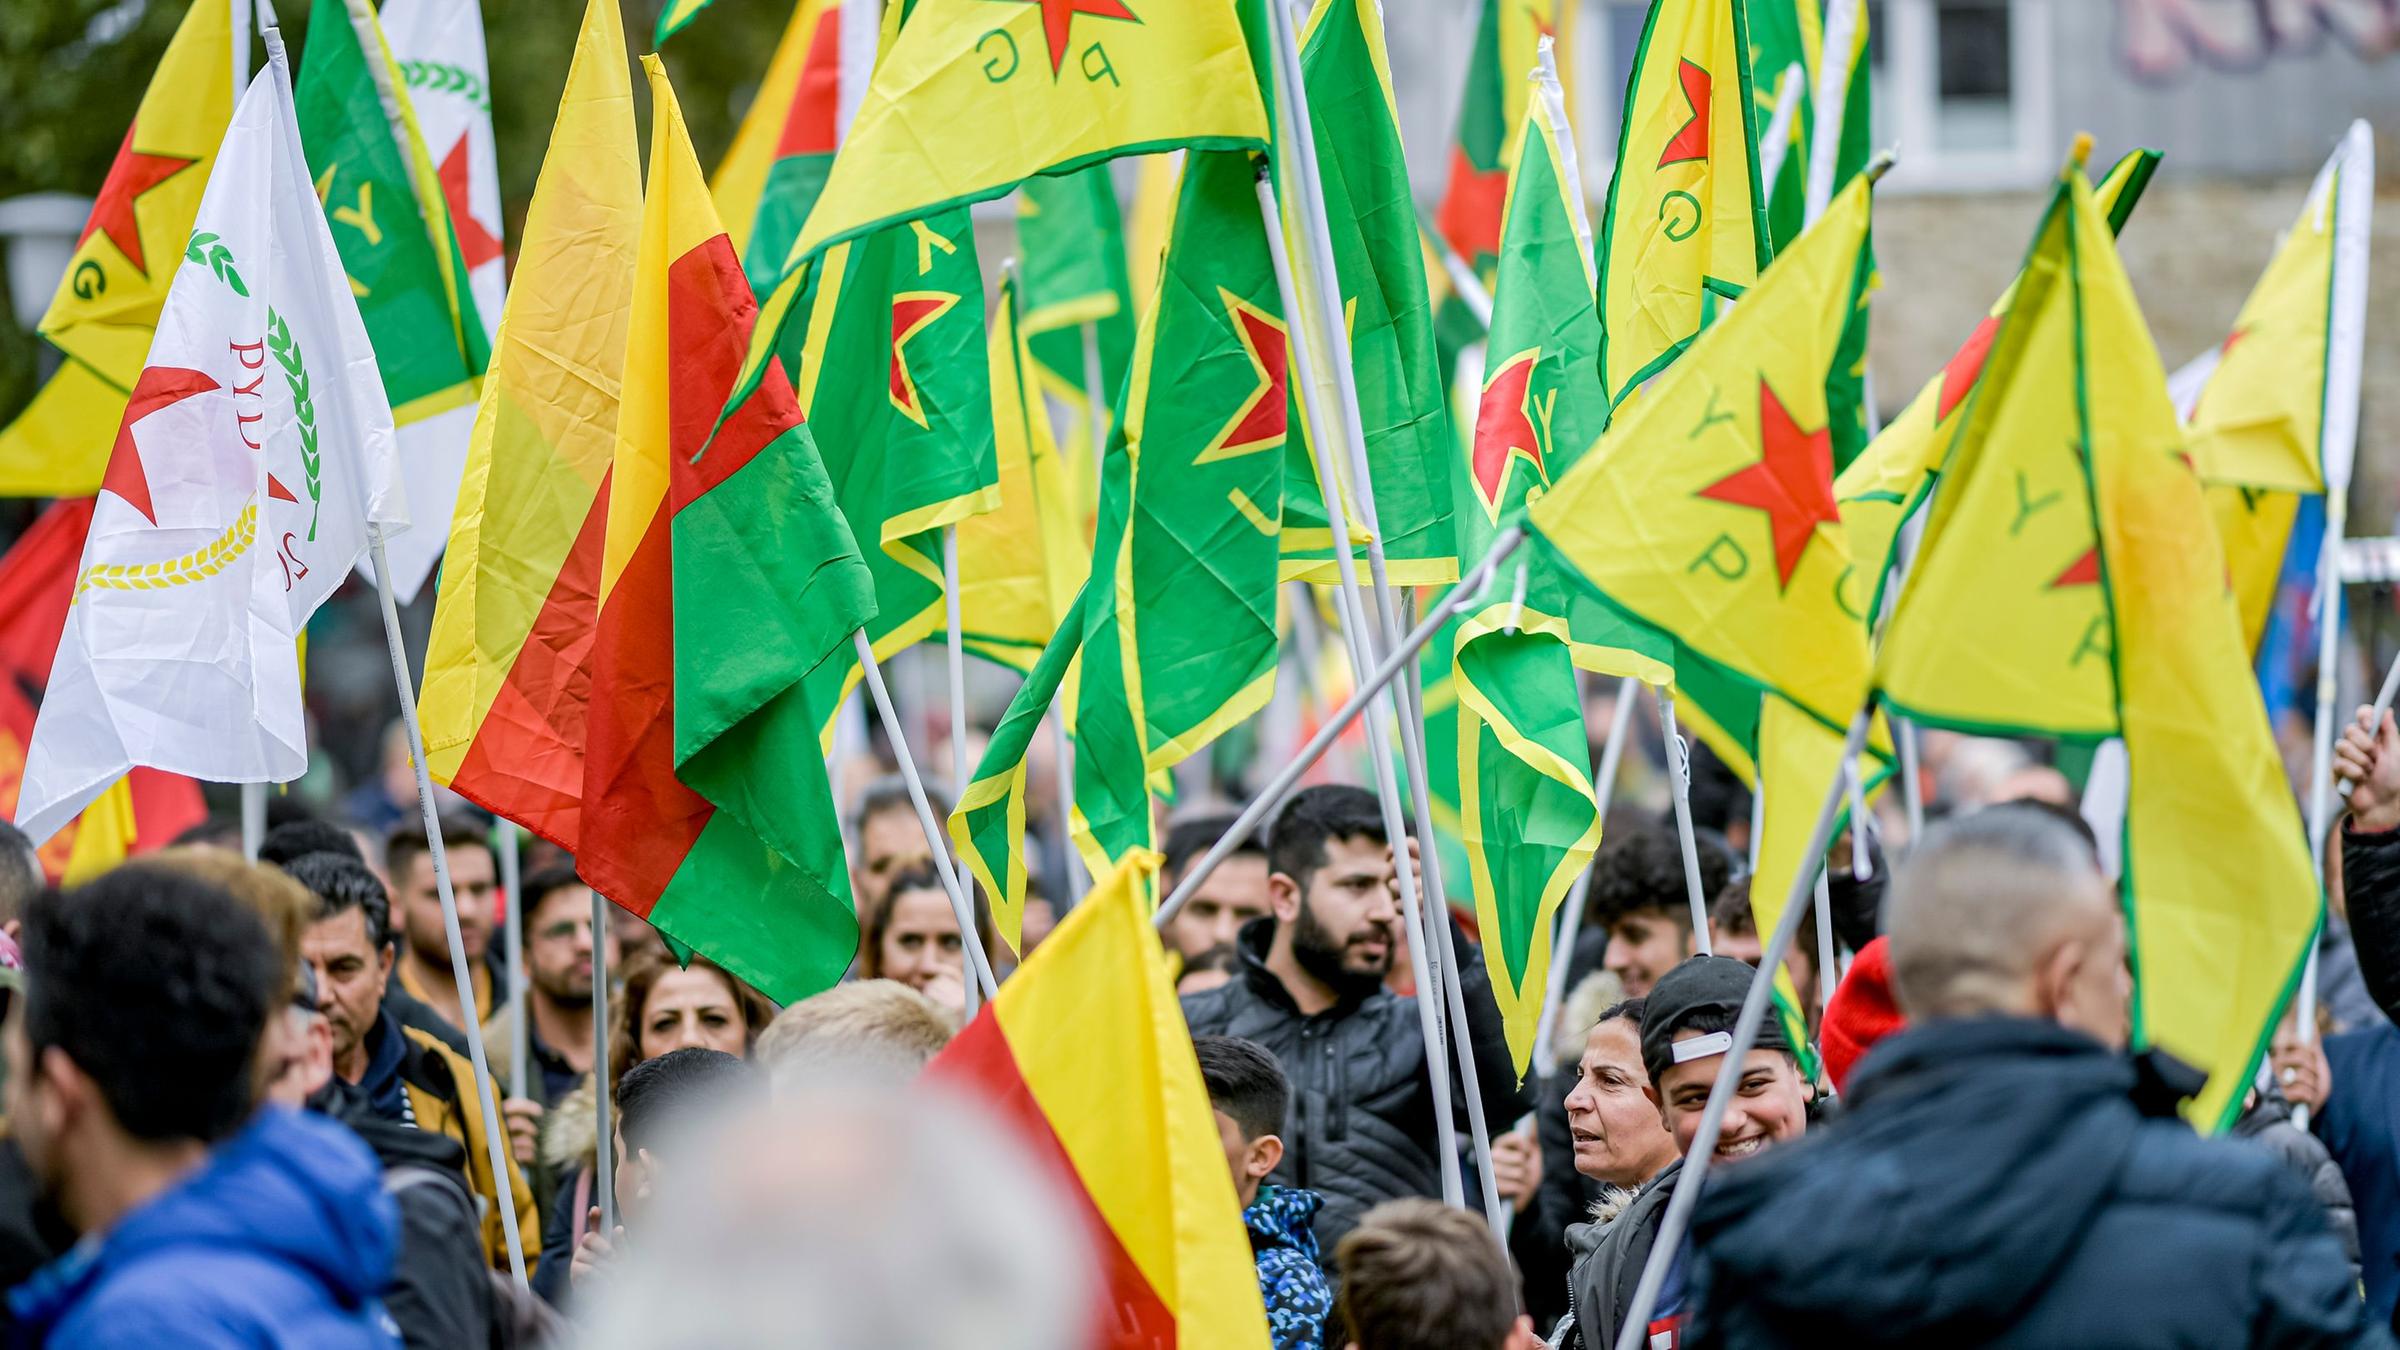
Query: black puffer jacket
(2371,894)
(1997,1182)
(1362,1127)
(2268,1123)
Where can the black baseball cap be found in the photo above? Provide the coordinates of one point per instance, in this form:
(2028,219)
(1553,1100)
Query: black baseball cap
(1700,985)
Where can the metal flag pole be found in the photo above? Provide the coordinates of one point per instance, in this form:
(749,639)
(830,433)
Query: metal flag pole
(1632,1334)
(979,961)
(1777,143)
(1379,750)
(1604,788)
(1837,56)
(494,1134)
(254,819)
(957,643)
(605,1175)
(1469,591)
(1422,919)
(512,947)
(2345,354)
(1679,780)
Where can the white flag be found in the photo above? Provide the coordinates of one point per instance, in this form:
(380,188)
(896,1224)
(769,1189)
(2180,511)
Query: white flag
(255,450)
(439,47)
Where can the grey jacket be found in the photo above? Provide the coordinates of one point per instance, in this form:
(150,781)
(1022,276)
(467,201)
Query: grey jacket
(1609,1256)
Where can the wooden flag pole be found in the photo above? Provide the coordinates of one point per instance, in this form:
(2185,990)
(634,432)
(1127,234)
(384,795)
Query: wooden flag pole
(1679,779)
(979,961)
(1634,1332)
(494,1132)
(1467,593)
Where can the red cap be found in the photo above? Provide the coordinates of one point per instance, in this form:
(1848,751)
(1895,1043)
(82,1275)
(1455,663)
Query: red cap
(1862,1012)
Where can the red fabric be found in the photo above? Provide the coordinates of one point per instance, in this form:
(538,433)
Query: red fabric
(1862,1012)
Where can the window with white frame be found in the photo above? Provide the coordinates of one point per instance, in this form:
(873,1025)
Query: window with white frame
(1962,90)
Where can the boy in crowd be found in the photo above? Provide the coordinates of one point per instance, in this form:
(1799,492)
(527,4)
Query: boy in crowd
(1250,1095)
(1420,1275)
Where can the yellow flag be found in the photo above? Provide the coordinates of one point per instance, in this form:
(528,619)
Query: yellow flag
(1019,565)
(2070,587)
(104,834)
(1685,226)
(107,303)
(1883,486)
(971,99)
(1707,512)
(2255,526)
(2260,415)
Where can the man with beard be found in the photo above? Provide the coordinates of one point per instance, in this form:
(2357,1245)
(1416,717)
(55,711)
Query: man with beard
(1311,992)
(424,968)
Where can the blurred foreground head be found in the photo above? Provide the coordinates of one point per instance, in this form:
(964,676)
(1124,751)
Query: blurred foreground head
(2005,913)
(853,1215)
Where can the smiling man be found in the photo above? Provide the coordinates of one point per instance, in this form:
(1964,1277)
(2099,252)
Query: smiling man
(1311,991)
(1686,1028)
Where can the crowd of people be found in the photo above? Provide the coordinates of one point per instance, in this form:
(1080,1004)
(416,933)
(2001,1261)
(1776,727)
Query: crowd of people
(240,1107)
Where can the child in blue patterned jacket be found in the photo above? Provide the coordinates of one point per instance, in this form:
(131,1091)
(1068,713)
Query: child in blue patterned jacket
(1250,1095)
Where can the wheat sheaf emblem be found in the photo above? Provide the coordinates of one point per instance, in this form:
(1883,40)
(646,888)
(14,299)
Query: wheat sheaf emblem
(198,565)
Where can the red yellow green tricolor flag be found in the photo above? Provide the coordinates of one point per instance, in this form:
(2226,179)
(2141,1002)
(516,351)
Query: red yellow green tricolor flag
(1528,820)
(108,302)
(1685,226)
(728,574)
(770,178)
(1379,265)
(1707,512)
(2081,596)
(1085,1057)
(507,669)
(970,100)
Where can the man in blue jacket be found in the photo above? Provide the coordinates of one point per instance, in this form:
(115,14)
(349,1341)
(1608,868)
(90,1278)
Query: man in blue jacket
(2003,1174)
(131,1078)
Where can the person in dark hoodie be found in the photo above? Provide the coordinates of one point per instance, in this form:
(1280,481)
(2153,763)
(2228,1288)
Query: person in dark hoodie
(2003,1175)
(1312,993)
(132,1079)
(1250,1097)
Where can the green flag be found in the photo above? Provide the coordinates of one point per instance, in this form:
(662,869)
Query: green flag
(1079,308)
(988,824)
(897,389)
(1379,261)
(1183,645)
(1528,819)
(397,244)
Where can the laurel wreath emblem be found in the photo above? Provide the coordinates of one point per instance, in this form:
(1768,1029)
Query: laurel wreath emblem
(206,250)
(286,350)
(198,565)
(441,77)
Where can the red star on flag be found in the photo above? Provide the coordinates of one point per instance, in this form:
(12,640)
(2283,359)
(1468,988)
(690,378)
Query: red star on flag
(475,243)
(1469,217)
(912,313)
(159,387)
(1058,21)
(1965,368)
(1503,428)
(134,174)
(1792,481)
(1259,423)
(1691,141)
(2084,571)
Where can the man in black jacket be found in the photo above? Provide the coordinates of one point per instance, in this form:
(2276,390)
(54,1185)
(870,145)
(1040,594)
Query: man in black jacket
(1311,991)
(2003,1175)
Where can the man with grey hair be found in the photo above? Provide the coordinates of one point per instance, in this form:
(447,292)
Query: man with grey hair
(2005,1175)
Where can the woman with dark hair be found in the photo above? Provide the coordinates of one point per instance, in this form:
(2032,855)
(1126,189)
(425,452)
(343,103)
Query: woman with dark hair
(660,1008)
(913,938)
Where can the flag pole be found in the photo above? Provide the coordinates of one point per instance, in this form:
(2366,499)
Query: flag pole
(1468,592)
(494,1130)
(1837,55)
(254,819)
(979,961)
(1777,143)
(958,661)
(1604,788)
(1679,778)
(1633,1333)
(1379,750)
(512,947)
(1379,632)
(2345,355)
(605,1175)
